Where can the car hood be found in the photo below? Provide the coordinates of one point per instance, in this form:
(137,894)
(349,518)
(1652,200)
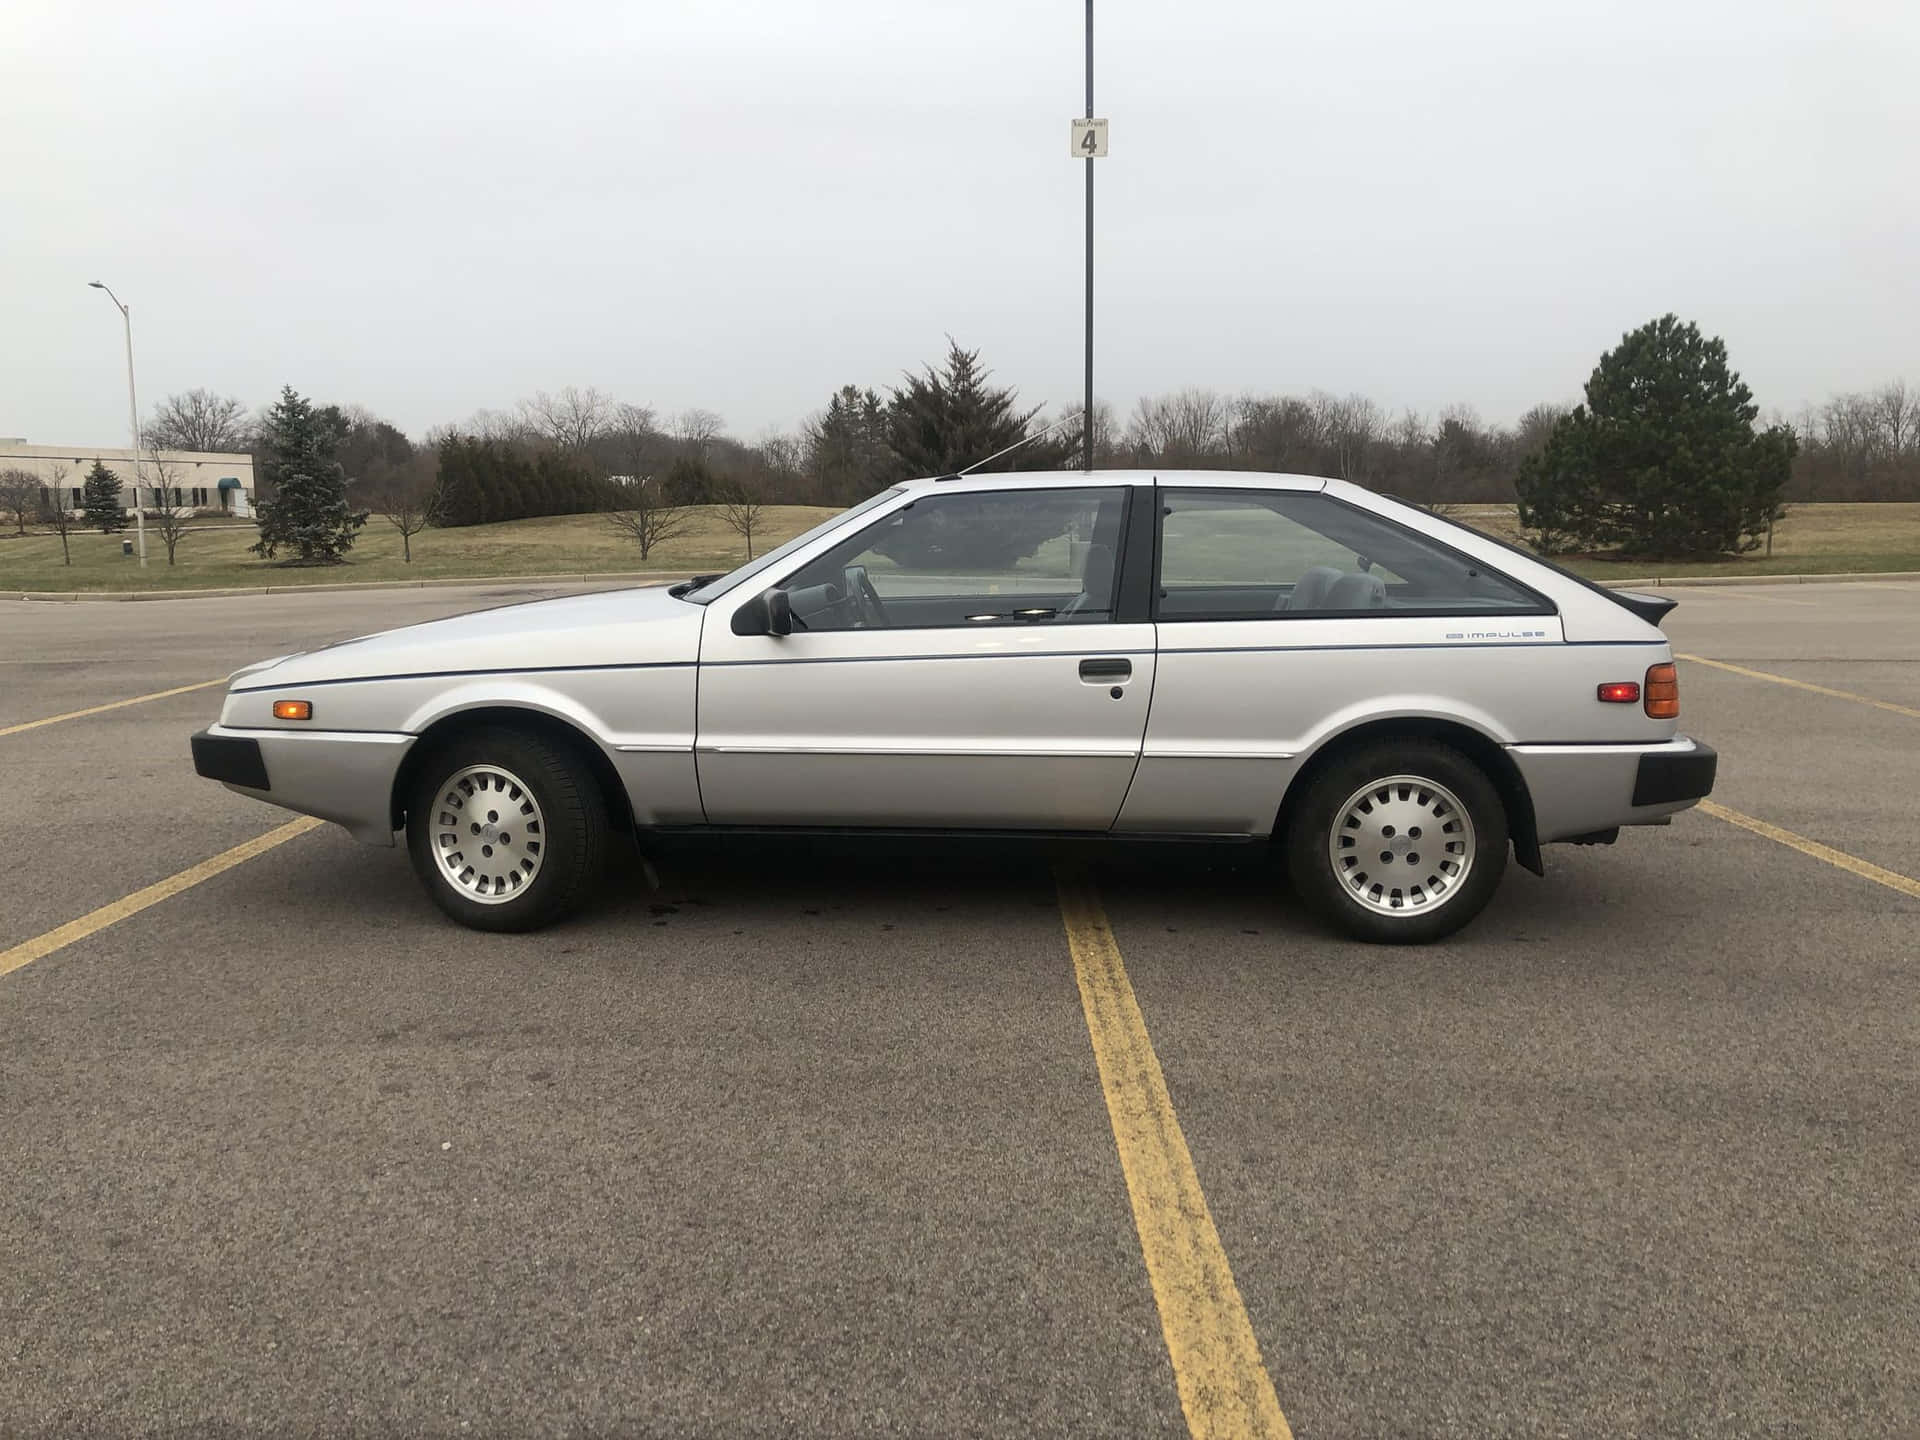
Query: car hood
(611,627)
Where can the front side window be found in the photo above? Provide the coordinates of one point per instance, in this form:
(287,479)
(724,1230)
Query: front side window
(1248,554)
(976,558)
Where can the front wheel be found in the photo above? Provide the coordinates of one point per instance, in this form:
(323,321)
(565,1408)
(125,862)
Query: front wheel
(506,830)
(1398,842)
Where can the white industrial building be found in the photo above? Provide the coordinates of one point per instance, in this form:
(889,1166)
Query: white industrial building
(201,480)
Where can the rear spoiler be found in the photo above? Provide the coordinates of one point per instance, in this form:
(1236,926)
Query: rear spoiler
(1650,608)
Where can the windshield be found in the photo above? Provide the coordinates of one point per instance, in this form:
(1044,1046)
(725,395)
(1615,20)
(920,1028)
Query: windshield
(714,589)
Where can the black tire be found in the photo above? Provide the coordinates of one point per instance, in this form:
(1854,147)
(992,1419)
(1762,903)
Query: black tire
(1338,901)
(573,827)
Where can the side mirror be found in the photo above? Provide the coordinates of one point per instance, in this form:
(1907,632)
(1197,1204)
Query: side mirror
(779,612)
(769,613)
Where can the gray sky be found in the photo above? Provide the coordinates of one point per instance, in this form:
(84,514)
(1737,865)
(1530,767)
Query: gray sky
(742,204)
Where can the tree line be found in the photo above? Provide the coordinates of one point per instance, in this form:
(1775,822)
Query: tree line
(1856,446)
(582,450)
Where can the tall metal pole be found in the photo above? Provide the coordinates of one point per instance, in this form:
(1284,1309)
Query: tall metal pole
(1086,427)
(133,420)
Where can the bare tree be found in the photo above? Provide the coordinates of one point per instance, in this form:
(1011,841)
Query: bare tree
(572,420)
(409,504)
(697,429)
(635,508)
(742,507)
(20,496)
(170,516)
(1105,433)
(55,513)
(1354,425)
(1897,413)
(497,425)
(198,420)
(1186,425)
(632,443)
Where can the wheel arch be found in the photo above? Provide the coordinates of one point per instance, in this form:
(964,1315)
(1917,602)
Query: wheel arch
(1477,746)
(549,727)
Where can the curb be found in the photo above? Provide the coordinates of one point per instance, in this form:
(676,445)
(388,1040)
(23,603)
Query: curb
(615,579)
(1680,581)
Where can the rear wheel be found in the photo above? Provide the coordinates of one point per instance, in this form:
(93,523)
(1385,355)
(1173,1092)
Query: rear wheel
(506,830)
(1398,841)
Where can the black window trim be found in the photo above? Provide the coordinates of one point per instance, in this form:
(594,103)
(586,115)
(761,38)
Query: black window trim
(1542,605)
(1106,617)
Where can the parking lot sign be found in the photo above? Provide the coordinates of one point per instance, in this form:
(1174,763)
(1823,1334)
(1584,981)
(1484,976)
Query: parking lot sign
(1089,139)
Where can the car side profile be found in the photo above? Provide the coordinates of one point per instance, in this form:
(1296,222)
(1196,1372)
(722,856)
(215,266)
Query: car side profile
(1394,700)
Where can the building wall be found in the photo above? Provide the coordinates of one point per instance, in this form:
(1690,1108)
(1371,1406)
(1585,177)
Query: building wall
(188,471)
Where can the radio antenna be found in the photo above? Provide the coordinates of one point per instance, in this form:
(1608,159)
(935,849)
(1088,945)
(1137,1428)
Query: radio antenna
(1009,449)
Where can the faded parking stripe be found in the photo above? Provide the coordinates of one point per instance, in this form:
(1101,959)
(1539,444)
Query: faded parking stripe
(1802,685)
(95,921)
(1866,869)
(1225,1390)
(111,705)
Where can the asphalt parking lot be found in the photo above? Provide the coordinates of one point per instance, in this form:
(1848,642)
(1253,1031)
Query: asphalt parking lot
(814,1140)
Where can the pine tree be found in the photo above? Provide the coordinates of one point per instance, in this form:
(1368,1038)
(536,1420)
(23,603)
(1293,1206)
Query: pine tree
(309,511)
(847,452)
(101,499)
(948,419)
(454,496)
(1663,460)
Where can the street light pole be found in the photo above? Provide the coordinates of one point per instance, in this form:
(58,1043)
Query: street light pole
(133,417)
(1086,423)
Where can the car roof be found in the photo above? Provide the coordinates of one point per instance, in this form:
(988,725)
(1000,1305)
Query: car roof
(1055,479)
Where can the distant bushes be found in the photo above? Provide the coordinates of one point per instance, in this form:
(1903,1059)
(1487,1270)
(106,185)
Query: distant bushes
(484,481)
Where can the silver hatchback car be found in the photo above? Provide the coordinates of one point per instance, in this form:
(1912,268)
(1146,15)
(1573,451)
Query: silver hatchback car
(1393,699)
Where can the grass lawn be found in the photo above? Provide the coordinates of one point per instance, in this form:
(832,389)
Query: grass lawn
(559,544)
(1812,540)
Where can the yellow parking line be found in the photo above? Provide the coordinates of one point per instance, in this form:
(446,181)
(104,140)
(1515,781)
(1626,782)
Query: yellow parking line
(1799,685)
(1225,1390)
(95,921)
(1866,869)
(112,705)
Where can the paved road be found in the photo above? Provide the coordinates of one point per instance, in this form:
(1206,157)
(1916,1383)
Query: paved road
(813,1141)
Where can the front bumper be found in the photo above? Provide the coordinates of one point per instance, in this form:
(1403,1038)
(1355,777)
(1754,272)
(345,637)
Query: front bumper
(230,759)
(346,776)
(1579,790)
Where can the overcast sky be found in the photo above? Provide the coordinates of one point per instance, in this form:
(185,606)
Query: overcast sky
(741,204)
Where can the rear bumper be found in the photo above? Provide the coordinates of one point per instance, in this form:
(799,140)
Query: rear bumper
(1580,789)
(343,776)
(1686,775)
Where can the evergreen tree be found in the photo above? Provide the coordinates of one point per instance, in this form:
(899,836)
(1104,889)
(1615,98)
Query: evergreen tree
(309,511)
(948,419)
(691,481)
(454,496)
(101,499)
(1663,460)
(846,448)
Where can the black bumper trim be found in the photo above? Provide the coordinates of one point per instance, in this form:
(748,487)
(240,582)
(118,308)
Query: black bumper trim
(230,759)
(1664,779)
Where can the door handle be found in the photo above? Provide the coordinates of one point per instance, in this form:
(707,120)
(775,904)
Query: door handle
(1105,670)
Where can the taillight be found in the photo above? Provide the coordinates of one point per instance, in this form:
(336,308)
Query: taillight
(1663,693)
(1620,692)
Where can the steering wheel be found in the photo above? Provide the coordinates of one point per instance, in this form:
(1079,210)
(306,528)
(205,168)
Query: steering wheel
(866,600)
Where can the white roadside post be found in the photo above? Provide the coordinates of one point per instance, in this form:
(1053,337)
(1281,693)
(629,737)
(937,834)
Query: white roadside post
(133,422)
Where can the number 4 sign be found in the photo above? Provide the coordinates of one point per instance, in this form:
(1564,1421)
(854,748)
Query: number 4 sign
(1089,139)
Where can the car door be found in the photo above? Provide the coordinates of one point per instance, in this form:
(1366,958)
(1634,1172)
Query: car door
(1284,615)
(960,662)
